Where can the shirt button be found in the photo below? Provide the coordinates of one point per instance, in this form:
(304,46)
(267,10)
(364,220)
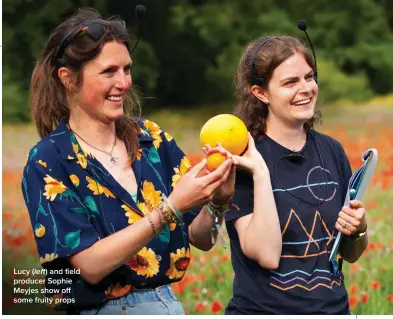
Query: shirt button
(158,257)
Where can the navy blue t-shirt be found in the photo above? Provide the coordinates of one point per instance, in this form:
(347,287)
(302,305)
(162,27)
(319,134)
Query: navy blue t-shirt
(308,202)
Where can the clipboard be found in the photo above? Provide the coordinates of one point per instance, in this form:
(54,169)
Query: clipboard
(356,187)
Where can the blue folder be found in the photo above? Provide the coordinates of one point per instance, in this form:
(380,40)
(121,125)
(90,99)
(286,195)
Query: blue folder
(356,187)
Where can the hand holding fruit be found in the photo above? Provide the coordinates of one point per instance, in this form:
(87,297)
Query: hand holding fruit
(215,157)
(196,189)
(226,129)
(232,134)
(252,160)
(229,134)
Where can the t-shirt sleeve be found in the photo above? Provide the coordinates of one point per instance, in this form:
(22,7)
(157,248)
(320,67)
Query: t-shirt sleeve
(60,219)
(243,198)
(178,165)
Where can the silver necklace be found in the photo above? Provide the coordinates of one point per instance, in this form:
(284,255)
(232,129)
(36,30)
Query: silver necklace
(112,159)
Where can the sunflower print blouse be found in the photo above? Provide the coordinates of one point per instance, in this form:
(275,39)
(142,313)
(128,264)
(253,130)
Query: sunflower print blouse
(73,201)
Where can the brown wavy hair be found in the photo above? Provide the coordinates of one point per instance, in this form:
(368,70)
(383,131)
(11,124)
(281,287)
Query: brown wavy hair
(274,52)
(48,95)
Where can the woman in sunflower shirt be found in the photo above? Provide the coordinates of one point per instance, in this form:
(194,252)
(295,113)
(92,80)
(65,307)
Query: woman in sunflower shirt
(113,201)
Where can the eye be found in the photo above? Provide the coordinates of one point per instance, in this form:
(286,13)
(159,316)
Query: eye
(290,82)
(127,69)
(310,77)
(109,71)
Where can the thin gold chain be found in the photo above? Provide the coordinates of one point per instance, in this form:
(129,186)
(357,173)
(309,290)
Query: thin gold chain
(112,159)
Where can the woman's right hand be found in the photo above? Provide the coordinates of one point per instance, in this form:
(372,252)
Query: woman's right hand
(196,188)
(252,160)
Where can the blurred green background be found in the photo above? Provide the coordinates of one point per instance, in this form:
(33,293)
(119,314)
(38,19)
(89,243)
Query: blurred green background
(189,49)
(184,67)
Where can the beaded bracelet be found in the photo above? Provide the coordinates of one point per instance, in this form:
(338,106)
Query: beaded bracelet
(152,224)
(162,217)
(178,214)
(168,214)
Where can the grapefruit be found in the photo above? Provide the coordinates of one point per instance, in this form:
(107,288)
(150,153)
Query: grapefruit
(226,129)
(214,161)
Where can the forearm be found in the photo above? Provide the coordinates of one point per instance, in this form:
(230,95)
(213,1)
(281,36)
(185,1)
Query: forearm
(263,241)
(200,230)
(109,253)
(351,249)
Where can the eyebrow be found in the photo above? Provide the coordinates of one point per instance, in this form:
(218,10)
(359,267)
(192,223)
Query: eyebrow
(295,77)
(109,66)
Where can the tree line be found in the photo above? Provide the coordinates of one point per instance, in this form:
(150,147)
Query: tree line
(189,49)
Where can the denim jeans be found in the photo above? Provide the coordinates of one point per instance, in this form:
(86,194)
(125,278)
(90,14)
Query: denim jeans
(158,301)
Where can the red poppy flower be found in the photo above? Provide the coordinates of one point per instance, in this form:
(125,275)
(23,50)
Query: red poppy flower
(353,301)
(200,306)
(352,289)
(375,285)
(355,267)
(216,306)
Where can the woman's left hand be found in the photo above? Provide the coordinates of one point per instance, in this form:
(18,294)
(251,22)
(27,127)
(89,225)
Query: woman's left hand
(352,220)
(225,191)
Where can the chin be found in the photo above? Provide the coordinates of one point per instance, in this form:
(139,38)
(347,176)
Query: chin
(306,114)
(114,115)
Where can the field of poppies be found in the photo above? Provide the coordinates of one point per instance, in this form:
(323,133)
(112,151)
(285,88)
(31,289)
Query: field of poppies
(207,286)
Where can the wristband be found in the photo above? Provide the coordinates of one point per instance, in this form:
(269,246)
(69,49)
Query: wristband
(173,208)
(168,214)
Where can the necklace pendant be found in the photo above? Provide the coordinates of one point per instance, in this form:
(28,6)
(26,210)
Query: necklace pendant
(113,160)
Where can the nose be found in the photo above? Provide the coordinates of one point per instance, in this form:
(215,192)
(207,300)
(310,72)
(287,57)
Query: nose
(123,81)
(306,87)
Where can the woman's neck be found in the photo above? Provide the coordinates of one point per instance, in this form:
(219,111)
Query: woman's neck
(290,136)
(98,134)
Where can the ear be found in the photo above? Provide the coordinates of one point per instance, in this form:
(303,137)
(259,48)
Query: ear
(260,93)
(67,77)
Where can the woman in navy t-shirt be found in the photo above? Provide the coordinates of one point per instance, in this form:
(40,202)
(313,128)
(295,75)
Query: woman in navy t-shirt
(281,244)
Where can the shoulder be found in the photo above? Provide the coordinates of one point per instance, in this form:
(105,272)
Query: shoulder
(326,141)
(153,129)
(44,150)
(329,145)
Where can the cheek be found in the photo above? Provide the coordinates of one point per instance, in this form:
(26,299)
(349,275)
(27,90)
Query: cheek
(94,89)
(280,96)
(128,81)
(92,95)
(315,88)
(286,96)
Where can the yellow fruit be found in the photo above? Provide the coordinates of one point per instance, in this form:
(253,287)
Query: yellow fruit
(226,129)
(214,161)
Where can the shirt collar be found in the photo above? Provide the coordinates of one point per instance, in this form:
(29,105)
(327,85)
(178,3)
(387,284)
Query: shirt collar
(62,137)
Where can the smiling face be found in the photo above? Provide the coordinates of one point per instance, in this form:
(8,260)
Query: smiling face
(292,92)
(105,82)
